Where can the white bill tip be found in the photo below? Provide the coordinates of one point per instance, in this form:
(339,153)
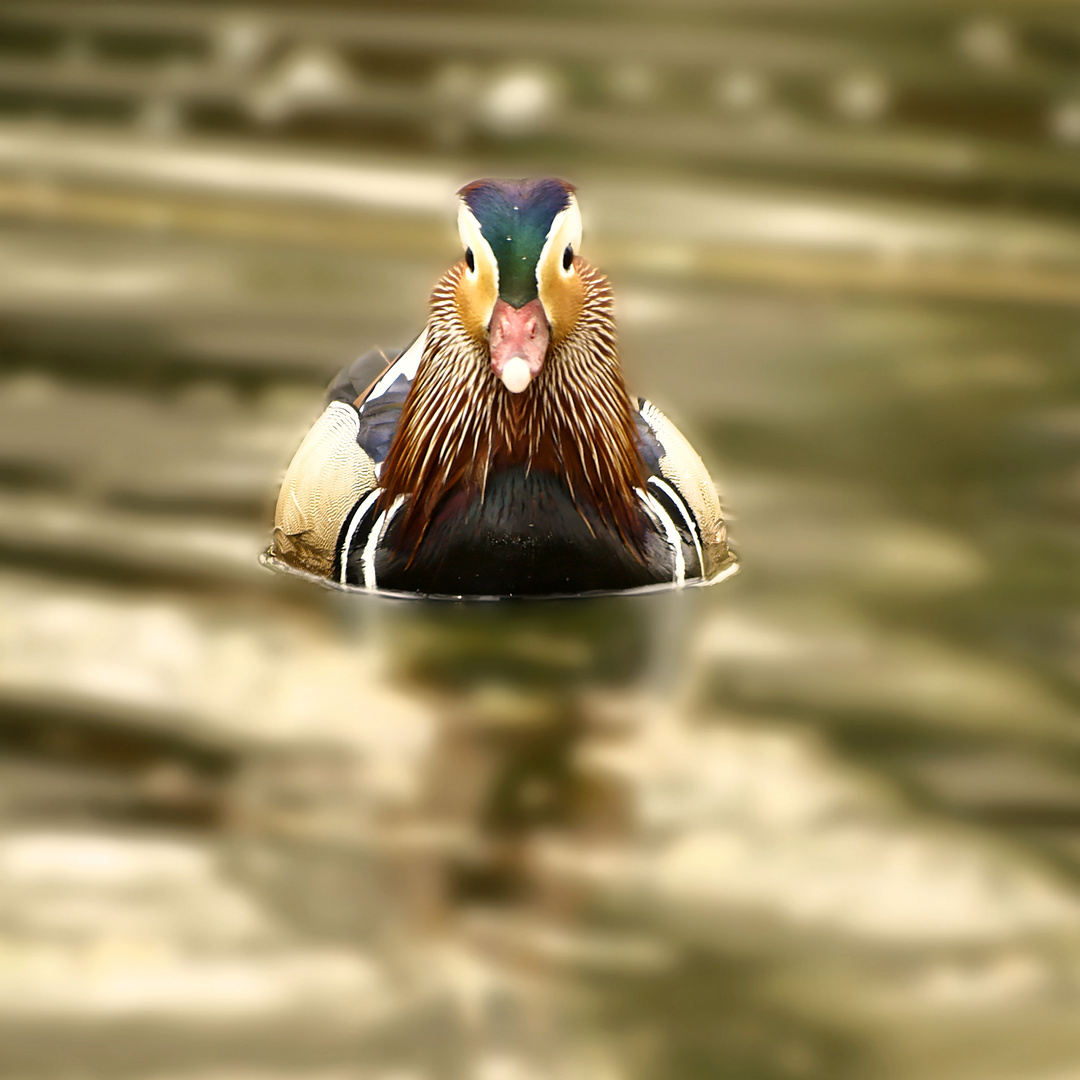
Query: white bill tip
(516,374)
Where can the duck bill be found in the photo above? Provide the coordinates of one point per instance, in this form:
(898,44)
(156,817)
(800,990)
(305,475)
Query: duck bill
(518,339)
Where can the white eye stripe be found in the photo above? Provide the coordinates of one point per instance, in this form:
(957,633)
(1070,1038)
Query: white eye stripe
(473,238)
(567,223)
(565,232)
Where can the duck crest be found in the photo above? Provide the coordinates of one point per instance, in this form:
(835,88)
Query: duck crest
(459,424)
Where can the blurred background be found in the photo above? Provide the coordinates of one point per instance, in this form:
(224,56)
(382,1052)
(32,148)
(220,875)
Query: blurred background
(820,821)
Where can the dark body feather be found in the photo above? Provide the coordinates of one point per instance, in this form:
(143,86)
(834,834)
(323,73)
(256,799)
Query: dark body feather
(525,537)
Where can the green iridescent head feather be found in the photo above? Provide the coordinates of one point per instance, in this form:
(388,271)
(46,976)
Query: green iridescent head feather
(515,217)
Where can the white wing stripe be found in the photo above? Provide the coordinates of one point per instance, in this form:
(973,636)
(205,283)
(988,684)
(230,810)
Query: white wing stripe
(671,532)
(684,510)
(357,517)
(373,539)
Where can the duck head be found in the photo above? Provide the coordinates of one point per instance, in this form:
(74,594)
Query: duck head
(520,292)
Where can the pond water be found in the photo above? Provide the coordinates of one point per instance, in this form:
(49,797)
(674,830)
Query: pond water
(819,821)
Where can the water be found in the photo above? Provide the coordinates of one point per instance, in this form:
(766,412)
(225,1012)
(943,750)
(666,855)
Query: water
(818,821)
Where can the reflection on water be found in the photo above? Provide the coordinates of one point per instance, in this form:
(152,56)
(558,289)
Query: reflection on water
(818,821)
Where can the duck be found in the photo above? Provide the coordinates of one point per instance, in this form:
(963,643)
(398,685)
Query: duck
(500,454)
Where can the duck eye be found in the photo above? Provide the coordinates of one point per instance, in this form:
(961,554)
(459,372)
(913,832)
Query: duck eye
(470,259)
(567,257)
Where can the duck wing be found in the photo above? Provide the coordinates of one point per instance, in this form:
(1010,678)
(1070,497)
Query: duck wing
(337,465)
(681,495)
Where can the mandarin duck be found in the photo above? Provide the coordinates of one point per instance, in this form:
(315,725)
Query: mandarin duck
(500,454)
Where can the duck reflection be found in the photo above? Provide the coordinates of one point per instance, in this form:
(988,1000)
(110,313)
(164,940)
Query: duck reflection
(516,686)
(451,886)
